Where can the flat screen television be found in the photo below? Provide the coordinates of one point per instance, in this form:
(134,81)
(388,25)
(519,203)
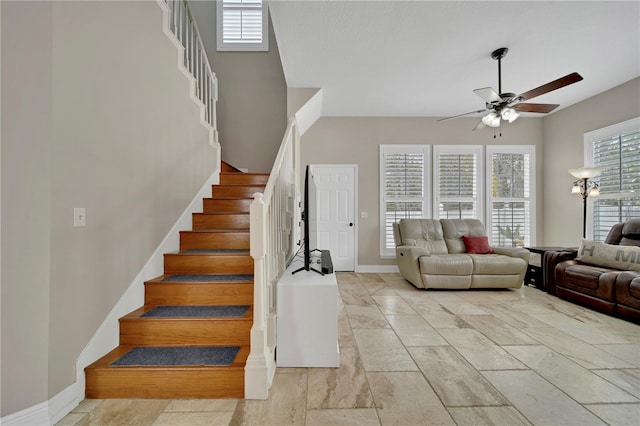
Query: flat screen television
(309,240)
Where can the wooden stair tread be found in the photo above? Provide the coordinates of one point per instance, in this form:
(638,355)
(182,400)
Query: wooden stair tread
(159,280)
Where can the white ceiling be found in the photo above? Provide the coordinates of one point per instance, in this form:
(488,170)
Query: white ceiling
(424,58)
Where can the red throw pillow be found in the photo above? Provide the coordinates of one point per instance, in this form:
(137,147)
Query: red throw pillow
(477,245)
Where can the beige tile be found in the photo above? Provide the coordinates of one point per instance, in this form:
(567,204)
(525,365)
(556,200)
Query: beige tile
(194,419)
(455,381)
(406,398)
(574,380)
(498,331)
(538,400)
(366,317)
(512,317)
(479,351)
(627,379)
(579,329)
(413,330)
(629,352)
(285,406)
(381,350)
(393,305)
(464,308)
(227,404)
(588,356)
(356,294)
(71,419)
(87,405)
(126,412)
(343,387)
(379,288)
(489,416)
(617,414)
(342,417)
(436,315)
(370,278)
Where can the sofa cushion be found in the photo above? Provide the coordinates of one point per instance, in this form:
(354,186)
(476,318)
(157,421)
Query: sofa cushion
(496,264)
(477,245)
(449,264)
(425,233)
(626,258)
(455,229)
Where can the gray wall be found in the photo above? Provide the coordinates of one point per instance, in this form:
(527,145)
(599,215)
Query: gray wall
(356,140)
(252,107)
(95,114)
(564,149)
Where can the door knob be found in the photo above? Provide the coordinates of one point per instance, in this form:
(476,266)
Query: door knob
(350,223)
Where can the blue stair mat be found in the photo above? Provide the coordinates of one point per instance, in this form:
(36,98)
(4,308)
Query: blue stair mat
(209,278)
(178,355)
(196,311)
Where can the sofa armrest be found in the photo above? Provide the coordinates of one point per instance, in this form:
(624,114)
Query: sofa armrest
(513,252)
(549,262)
(409,264)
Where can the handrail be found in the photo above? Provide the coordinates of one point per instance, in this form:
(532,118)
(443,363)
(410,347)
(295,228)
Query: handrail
(273,216)
(184,27)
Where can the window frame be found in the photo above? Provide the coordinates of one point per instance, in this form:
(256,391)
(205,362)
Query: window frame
(511,149)
(386,149)
(241,46)
(476,150)
(607,132)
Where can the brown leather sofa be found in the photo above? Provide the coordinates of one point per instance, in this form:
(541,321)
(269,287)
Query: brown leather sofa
(604,289)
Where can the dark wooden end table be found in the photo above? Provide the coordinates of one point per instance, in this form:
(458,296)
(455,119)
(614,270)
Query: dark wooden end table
(533,276)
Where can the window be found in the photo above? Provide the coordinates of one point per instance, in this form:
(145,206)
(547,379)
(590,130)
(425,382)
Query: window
(457,174)
(404,192)
(617,150)
(510,188)
(242,25)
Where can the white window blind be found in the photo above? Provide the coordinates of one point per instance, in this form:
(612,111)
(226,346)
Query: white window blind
(404,192)
(617,150)
(511,208)
(457,176)
(242,25)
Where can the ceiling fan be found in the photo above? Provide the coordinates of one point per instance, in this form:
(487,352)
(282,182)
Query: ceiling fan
(505,106)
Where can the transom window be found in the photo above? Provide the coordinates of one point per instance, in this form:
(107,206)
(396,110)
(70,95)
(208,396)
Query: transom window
(242,25)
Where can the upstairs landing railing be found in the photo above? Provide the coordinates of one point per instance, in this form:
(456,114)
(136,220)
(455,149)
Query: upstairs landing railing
(273,219)
(184,27)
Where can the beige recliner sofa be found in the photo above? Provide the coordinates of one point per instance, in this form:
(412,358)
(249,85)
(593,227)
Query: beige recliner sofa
(432,254)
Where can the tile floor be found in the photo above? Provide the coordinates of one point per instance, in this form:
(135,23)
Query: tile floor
(415,357)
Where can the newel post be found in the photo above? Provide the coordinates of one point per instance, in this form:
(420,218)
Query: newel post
(256,372)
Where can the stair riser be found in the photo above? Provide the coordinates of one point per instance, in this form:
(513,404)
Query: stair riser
(184,332)
(243,179)
(172,294)
(175,383)
(236,190)
(220,221)
(213,205)
(207,264)
(214,240)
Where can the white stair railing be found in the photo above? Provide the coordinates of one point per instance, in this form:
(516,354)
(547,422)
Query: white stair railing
(273,219)
(184,27)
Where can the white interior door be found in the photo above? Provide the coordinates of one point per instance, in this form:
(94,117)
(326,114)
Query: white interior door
(336,207)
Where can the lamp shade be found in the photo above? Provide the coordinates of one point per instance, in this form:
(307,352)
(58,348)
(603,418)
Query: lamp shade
(585,172)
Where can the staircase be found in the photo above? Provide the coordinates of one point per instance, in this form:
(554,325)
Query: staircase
(212,268)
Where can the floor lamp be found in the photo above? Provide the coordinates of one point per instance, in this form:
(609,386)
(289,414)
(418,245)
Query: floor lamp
(586,187)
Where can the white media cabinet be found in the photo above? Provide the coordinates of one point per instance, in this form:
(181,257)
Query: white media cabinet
(307,319)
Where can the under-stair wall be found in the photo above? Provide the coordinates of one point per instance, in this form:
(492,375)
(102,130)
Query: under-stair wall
(126,142)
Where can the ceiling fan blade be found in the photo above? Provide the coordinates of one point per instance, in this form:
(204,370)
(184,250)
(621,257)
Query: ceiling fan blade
(462,115)
(541,108)
(480,125)
(488,95)
(553,85)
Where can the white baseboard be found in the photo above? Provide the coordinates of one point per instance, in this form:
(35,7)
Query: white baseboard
(36,415)
(377,269)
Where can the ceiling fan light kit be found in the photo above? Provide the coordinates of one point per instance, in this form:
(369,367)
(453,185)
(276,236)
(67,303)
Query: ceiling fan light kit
(505,105)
